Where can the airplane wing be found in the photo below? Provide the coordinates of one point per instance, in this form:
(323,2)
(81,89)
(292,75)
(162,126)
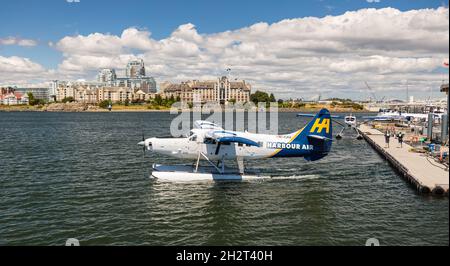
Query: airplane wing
(313,115)
(238,140)
(203,124)
(306,115)
(222,136)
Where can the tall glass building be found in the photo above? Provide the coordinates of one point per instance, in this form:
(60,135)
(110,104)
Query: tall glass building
(135,69)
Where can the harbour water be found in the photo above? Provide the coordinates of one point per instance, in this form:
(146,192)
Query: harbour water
(82,175)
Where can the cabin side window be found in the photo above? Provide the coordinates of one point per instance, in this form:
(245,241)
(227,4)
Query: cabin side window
(209,141)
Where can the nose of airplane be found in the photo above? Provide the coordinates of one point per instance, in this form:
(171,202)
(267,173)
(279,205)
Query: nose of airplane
(147,143)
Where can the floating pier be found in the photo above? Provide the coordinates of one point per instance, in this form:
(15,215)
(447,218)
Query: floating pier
(423,172)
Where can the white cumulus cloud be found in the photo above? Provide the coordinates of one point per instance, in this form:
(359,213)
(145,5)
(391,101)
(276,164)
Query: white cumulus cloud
(20,71)
(17,41)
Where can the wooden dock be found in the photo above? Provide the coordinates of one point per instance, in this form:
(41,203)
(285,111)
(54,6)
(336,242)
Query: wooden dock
(424,173)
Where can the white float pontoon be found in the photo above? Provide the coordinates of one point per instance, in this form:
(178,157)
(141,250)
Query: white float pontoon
(189,173)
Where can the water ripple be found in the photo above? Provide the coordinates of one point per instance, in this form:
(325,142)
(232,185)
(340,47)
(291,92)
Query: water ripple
(81,175)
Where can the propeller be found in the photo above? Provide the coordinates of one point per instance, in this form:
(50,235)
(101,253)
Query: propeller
(142,143)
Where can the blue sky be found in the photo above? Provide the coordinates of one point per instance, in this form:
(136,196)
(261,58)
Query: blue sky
(51,20)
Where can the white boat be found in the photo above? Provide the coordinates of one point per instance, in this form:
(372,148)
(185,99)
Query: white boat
(389,114)
(188,173)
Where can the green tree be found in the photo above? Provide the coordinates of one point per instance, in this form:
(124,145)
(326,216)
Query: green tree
(170,101)
(68,99)
(33,101)
(259,96)
(127,102)
(272,98)
(104,104)
(158,100)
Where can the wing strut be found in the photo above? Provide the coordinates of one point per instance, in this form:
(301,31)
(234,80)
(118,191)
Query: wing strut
(209,161)
(240,163)
(218,147)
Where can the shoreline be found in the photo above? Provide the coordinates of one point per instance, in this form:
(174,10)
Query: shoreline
(133,110)
(79,107)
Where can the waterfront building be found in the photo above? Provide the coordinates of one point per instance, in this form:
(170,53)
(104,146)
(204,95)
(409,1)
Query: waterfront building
(163,85)
(65,90)
(135,77)
(115,94)
(143,96)
(14,98)
(135,69)
(146,84)
(180,91)
(85,94)
(80,91)
(97,92)
(107,75)
(53,90)
(38,93)
(221,90)
(138,87)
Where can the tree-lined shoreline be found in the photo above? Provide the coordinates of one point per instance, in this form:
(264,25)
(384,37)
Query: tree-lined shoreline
(159,104)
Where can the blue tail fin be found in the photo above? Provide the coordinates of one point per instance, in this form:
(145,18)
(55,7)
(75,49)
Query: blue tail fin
(318,133)
(320,125)
(313,141)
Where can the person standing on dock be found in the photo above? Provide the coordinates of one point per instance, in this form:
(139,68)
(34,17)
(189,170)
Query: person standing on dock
(387,135)
(400,139)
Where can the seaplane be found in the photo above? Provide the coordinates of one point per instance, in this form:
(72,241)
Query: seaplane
(350,121)
(211,143)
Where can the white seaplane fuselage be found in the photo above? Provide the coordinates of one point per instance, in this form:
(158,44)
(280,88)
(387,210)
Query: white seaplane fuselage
(208,141)
(350,120)
(190,147)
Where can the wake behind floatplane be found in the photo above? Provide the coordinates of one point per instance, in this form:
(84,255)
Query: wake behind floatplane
(211,143)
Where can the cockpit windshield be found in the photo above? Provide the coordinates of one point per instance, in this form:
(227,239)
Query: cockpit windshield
(193,137)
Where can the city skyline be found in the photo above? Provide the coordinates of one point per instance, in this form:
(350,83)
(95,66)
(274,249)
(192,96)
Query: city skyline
(291,49)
